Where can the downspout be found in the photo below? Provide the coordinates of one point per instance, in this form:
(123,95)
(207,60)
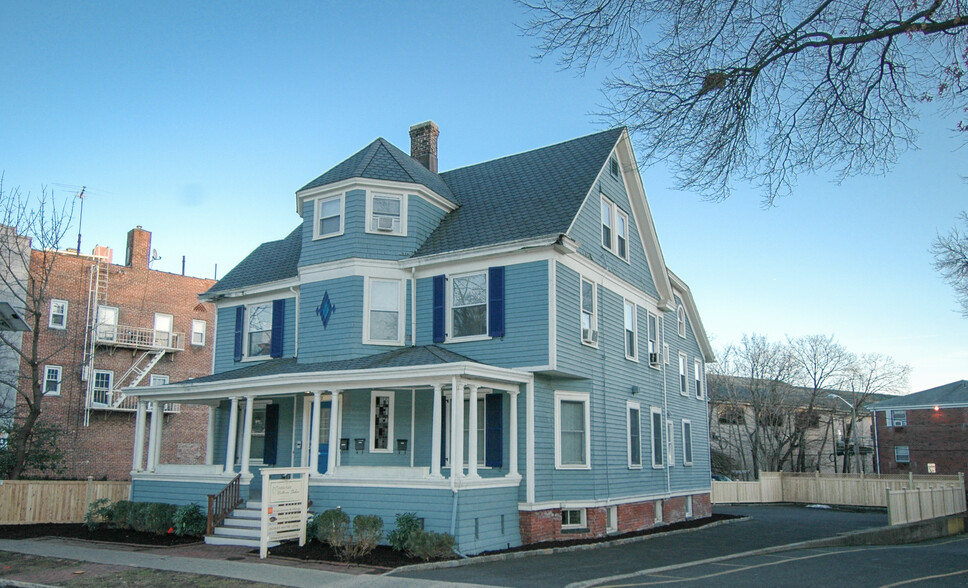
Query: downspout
(413,306)
(877,452)
(295,330)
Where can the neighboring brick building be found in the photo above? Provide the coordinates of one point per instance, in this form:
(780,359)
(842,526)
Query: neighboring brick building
(925,432)
(107,327)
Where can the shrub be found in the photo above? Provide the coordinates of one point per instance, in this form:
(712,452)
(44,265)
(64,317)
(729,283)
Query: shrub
(367,532)
(189,520)
(160,518)
(118,517)
(400,538)
(333,527)
(312,526)
(98,512)
(138,516)
(428,545)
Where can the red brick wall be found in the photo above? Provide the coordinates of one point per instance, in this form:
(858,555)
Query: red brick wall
(939,437)
(104,447)
(545,525)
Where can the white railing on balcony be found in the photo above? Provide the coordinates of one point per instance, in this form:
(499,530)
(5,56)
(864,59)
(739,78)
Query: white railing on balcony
(138,337)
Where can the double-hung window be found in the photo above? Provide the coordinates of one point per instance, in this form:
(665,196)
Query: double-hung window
(572,425)
(107,323)
(381,421)
(103,381)
(657,447)
(589,318)
(681,321)
(686,442)
(198,332)
(683,382)
(615,229)
(653,340)
(622,226)
(58,314)
(902,454)
(607,213)
(671,441)
(52,380)
(697,368)
(468,305)
(384,317)
(258,330)
(631,332)
(898,418)
(634,426)
(386,213)
(329,217)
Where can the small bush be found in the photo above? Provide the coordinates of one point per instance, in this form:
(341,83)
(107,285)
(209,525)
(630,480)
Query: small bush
(428,545)
(407,525)
(367,532)
(312,526)
(160,518)
(98,512)
(333,527)
(138,516)
(118,517)
(190,520)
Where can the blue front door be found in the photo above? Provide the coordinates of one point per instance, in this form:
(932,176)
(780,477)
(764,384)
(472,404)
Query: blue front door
(323,451)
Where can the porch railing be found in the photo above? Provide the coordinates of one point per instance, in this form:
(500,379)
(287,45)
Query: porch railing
(222,504)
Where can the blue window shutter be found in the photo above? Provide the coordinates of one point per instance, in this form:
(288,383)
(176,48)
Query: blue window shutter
(440,289)
(278,320)
(495,300)
(493,431)
(272,434)
(239,330)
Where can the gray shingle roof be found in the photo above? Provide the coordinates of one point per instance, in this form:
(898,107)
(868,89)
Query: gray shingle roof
(380,160)
(949,394)
(272,261)
(398,358)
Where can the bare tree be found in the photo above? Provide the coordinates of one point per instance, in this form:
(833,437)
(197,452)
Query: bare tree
(764,90)
(871,374)
(951,260)
(32,228)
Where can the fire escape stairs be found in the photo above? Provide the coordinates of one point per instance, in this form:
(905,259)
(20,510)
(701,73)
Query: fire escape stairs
(138,372)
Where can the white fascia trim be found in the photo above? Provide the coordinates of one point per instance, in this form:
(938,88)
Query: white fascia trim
(403,377)
(355,266)
(602,502)
(247,294)
(698,330)
(500,250)
(595,273)
(366,184)
(919,407)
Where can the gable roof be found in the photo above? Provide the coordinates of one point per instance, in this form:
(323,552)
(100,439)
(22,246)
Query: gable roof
(380,160)
(953,394)
(270,262)
(532,194)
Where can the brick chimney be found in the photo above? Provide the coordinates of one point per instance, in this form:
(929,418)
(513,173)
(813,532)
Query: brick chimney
(139,248)
(423,144)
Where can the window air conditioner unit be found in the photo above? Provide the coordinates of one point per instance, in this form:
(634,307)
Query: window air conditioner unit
(654,358)
(384,223)
(589,335)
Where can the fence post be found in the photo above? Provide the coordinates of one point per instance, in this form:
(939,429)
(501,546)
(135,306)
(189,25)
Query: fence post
(90,491)
(816,477)
(911,480)
(890,511)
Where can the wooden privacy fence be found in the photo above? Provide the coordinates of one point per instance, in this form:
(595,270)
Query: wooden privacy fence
(919,504)
(817,488)
(46,501)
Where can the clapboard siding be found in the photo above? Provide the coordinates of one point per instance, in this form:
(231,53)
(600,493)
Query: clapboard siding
(355,408)
(178,493)
(225,335)
(342,338)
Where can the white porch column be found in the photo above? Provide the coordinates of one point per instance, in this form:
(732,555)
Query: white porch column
(513,435)
(233,433)
(210,437)
(529,440)
(246,436)
(137,460)
(456,429)
(314,437)
(435,437)
(154,436)
(334,418)
(472,433)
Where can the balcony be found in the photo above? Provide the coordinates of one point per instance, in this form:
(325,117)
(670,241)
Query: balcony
(138,338)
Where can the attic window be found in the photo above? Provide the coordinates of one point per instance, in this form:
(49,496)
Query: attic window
(329,217)
(613,166)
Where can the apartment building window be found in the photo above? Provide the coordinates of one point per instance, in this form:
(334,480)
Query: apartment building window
(653,334)
(898,418)
(198,332)
(572,518)
(683,382)
(572,424)
(902,454)
(631,332)
(657,447)
(164,325)
(615,229)
(699,375)
(52,380)
(329,217)
(469,305)
(259,330)
(107,323)
(589,315)
(686,442)
(671,441)
(622,221)
(681,321)
(381,421)
(634,425)
(103,380)
(157,380)
(607,224)
(58,314)
(386,213)
(384,300)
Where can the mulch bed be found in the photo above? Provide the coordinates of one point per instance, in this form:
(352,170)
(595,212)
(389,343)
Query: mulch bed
(383,556)
(79,531)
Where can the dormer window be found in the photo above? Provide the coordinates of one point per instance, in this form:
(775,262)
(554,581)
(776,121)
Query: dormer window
(329,217)
(386,213)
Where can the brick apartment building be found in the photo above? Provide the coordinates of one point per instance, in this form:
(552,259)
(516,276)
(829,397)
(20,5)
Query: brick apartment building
(108,327)
(925,432)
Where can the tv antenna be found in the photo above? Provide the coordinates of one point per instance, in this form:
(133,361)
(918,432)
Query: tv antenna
(79,192)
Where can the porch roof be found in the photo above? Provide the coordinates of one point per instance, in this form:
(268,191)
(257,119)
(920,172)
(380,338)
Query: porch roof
(410,366)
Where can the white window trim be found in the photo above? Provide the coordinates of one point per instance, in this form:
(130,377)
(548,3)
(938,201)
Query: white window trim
(908,460)
(611,519)
(390,416)
(683,374)
(700,377)
(317,208)
(581,525)
(657,510)
(401,315)
(656,451)
(50,316)
(110,385)
(403,212)
(60,379)
(688,507)
(681,321)
(629,406)
(671,441)
(613,214)
(628,232)
(686,423)
(652,336)
(583,397)
(245,332)
(894,423)
(203,332)
(158,380)
(581,311)
(450,308)
(635,330)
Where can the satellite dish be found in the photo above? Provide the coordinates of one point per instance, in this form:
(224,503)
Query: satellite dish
(154,255)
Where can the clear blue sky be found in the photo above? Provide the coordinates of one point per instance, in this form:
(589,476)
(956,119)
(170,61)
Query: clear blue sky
(199,121)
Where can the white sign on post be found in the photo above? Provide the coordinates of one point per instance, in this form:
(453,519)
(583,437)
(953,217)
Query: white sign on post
(285,496)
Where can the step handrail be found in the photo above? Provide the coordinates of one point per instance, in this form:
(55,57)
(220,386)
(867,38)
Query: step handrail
(222,504)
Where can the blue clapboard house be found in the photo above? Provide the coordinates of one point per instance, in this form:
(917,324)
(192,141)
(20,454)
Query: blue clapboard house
(498,348)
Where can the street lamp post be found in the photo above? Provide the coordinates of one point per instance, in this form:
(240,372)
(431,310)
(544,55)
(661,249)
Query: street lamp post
(853,418)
